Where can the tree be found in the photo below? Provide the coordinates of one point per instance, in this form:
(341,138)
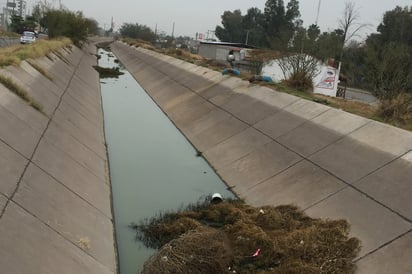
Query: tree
(92,26)
(389,69)
(349,24)
(396,26)
(252,24)
(66,23)
(17,23)
(281,23)
(137,31)
(232,30)
(328,45)
(388,55)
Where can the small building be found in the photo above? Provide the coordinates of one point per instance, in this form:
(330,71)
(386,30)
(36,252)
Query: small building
(220,50)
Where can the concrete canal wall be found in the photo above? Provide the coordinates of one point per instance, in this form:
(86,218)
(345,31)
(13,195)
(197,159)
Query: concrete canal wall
(54,187)
(274,148)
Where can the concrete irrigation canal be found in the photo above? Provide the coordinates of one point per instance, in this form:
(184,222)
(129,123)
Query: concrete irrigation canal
(153,167)
(56,210)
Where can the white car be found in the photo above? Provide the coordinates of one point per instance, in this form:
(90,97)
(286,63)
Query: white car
(27,37)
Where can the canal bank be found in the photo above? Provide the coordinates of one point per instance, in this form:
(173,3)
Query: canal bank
(273,148)
(55,208)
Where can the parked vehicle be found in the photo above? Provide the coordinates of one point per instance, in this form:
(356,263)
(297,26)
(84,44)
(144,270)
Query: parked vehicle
(27,37)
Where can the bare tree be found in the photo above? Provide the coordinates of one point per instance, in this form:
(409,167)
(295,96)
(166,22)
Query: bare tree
(350,24)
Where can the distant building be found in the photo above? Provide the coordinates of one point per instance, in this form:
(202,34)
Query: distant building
(2,21)
(21,8)
(16,7)
(220,50)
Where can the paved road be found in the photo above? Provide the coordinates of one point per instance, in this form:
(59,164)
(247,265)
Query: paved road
(361,95)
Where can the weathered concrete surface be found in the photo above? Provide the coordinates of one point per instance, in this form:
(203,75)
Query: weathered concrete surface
(55,209)
(274,148)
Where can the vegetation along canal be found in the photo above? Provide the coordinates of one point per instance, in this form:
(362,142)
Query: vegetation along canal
(153,167)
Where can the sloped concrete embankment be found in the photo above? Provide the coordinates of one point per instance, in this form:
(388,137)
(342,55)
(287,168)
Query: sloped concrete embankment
(54,186)
(273,148)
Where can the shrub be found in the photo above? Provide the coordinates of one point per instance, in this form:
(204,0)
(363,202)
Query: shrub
(299,70)
(300,81)
(397,110)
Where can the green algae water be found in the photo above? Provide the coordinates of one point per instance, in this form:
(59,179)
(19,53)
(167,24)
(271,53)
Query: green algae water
(153,167)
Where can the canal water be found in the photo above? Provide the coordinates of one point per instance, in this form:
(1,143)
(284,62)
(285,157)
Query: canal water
(153,167)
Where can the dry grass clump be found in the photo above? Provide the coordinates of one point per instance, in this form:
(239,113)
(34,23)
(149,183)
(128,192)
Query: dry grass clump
(397,111)
(40,69)
(186,55)
(300,81)
(15,54)
(8,34)
(139,43)
(202,259)
(355,107)
(19,91)
(233,236)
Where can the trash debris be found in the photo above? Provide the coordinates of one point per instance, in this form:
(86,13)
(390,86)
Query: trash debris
(258,78)
(256,253)
(231,71)
(216,198)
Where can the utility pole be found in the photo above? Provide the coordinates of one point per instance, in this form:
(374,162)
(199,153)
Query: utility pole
(317,14)
(173,30)
(247,37)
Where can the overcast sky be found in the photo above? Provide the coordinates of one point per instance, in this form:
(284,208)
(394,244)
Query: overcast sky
(191,16)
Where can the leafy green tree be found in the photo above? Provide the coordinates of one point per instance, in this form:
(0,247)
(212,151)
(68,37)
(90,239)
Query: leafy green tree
(388,68)
(388,55)
(396,26)
(281,22)
(66,23)
(328,45)
(137,31)
(17,23)
(92,26)
(232,30)
(253,27)
(30,23)
(354,65)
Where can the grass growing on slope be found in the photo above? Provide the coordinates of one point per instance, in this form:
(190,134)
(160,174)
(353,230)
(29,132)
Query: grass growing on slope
(19,91)
(39,69)
(9,34)
(15,54)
